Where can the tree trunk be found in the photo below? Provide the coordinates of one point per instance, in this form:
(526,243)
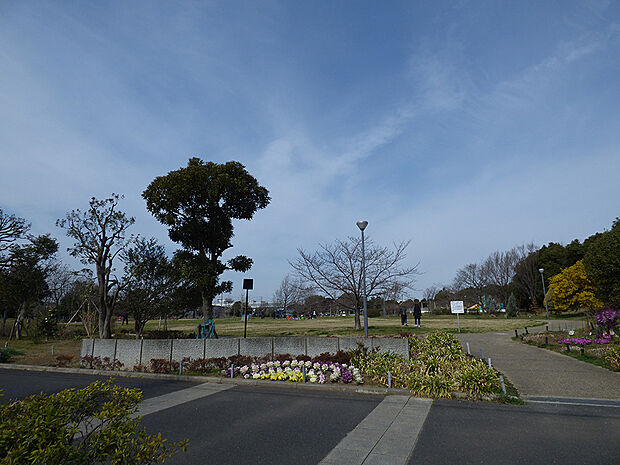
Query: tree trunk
(358,324)
(138,327)
(105,318)
(19,321)
(207,307)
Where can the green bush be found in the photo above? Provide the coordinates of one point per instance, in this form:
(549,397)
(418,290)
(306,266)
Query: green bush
(612,356)
(436,367)
(511,307)
(91,425)
(7,354)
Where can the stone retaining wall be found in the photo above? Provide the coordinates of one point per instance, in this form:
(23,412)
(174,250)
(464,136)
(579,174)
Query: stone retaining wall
(136,352)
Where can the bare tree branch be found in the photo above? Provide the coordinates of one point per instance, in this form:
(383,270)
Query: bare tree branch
(336,271)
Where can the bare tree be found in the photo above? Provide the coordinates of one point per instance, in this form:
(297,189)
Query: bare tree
(499,269)
(12,229)
(430,293)
(59,282)
(291,291)
(527,277)
(100,235)
(336,269)
(471,275)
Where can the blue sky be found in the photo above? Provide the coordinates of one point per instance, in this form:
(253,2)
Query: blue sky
(465,127)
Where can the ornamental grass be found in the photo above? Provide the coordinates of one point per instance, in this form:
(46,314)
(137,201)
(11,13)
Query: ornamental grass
(437,367)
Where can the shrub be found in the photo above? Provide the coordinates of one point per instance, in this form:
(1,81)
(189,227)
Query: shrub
(162,365)
(90,425)
(97,363)
(511,306)
(167,334)
(7,354)
(607,318)
(612,356)
(63,360)
(437,366)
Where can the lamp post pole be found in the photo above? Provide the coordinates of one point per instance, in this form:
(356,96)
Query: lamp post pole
(362,225)
(541,270)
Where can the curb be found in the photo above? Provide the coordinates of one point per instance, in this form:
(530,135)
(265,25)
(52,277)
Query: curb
(360,389)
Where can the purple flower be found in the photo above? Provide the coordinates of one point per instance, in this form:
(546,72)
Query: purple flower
(607,318)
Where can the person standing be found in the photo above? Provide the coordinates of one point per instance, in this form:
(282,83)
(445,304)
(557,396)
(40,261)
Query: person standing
(417,313)
(403,316)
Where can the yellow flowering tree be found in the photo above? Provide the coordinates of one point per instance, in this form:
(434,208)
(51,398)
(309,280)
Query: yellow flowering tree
(571,289)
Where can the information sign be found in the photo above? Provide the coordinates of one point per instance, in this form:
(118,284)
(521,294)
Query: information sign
(456,306)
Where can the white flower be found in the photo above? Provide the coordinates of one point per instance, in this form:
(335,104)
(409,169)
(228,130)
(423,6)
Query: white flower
(324,367)
(316,365)
(294,363)
(276,363)
(571,333)
(269,364)
(256,376)
(308,364)
(287,363)
(263,366)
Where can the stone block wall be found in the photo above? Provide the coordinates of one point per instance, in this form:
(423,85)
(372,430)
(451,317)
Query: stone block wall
(140,352)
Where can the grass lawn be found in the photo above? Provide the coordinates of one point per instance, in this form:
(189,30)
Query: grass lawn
(39,352)
(344,326)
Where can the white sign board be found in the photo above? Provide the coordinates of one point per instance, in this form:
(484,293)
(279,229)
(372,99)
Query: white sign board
(456,306)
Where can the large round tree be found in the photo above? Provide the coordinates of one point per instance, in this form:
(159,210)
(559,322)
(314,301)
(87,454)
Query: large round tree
(198,204)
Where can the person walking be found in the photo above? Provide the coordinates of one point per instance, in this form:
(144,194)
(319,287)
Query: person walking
(403,316)
(417,313)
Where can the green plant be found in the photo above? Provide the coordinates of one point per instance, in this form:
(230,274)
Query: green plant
(91,425)
(437,366)
(7,354)
(63,360)
(612,356)
(511,306)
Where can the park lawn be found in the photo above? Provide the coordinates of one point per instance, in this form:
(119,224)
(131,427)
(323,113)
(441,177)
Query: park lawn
(344,326)
(40,353)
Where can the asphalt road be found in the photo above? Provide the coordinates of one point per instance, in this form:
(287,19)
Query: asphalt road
(260,425)
(15,384)
(476,433)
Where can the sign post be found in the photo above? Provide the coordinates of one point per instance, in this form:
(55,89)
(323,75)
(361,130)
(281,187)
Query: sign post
(456,306)
(247,285)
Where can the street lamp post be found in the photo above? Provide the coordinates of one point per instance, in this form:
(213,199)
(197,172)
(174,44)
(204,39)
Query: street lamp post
(544,291)
(362,225)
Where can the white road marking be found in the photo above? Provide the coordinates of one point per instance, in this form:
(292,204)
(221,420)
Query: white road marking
(387,435)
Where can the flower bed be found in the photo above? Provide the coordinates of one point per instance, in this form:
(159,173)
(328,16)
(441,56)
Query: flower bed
(437,367)
(293,370)
(588,346)
(582,341)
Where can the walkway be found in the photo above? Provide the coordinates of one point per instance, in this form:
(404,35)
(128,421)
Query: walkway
(542,373)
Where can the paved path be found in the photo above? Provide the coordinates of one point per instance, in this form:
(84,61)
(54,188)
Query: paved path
(542,373)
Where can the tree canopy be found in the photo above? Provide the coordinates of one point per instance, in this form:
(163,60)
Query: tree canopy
(198,204)
(602,262)
(571,289)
